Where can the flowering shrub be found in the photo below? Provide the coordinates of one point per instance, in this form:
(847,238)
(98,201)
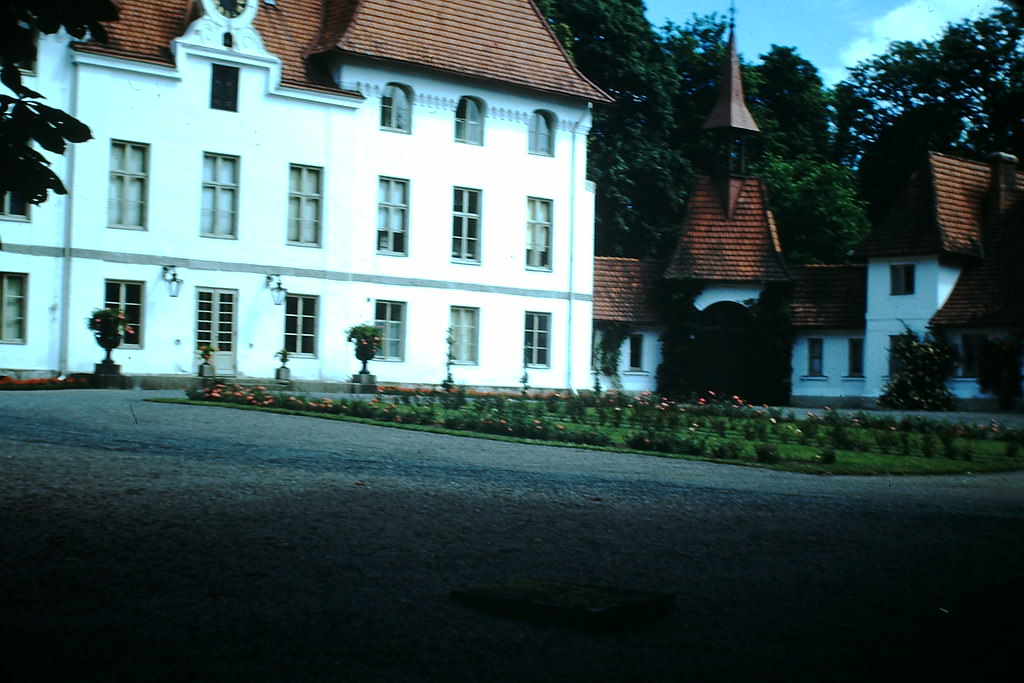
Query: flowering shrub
(108,320)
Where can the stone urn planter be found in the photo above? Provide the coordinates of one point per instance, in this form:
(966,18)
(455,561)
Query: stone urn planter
(283,373)
(367,339)
(206,368)
(365,353)
(107,326)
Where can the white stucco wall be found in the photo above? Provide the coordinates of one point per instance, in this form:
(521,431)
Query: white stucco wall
(643,378)
(168,109)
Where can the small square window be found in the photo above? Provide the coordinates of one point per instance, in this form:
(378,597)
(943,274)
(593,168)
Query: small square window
(13,207)
(901,279)
(224,88)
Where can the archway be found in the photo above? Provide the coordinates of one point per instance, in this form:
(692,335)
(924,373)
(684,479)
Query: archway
(726,352)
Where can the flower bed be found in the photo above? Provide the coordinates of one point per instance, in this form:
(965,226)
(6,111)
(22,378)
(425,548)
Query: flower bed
(709,428)
(12,384)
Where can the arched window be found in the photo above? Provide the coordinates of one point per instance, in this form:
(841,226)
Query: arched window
(396,108)
(542,133)
(469,121)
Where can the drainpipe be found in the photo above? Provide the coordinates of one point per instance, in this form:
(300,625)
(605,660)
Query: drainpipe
(65,292)
(572,246)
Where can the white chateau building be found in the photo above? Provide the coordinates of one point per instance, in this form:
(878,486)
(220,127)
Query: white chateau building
(264,175)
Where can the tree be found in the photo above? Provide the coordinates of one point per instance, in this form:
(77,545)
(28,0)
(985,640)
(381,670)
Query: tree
(961,94)
(636,169)
(24,120)
(818,210)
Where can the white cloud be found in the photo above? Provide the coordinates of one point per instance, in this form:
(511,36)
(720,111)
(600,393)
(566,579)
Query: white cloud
(914,21)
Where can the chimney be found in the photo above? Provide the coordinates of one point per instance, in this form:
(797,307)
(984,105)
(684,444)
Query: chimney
(1004,179)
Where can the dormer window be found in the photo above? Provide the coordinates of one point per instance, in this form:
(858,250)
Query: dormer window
(224,88)
(396,108)
(542,133)
(901,279)
(469,121)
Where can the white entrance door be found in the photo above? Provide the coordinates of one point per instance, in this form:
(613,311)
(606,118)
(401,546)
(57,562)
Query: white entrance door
(215,326)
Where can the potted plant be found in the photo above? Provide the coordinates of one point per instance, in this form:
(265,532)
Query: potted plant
(367,339)
(283,372)
(107,325)
(205,352)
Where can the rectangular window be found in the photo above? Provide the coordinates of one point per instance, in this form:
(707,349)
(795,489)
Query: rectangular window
(129,167)
(466,224)
(636,352)
(12,306)
(13,207)
(128,297)
(392,215)
(304,198)
(464,334)
(855,357)
(815,357)
(224,88)
(970,354)
(220,195)
(895,363)
(901,279)
(537,340)
(300,324)
(538,233)
(390,317)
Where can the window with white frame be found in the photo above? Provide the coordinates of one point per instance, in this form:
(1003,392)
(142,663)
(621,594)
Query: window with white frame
(537,340)
(815,357)
(463,325)
(300,324)
(13,207)
(396,108)
(466,224)
(855,357)
(305,195)
(538,233)
(126,296)
(220,196)
(901,279)
(469,121)
(896,342)
(636,352)
(542,133)
(129,169)
(389,316)
(13,290)
(392,215)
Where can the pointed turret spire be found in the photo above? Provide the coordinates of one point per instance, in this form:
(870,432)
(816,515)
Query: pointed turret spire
(731,110)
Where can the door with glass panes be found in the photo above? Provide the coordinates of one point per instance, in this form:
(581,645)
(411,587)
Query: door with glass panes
(215,326)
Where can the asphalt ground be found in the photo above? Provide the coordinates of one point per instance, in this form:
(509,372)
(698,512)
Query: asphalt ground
(152,542)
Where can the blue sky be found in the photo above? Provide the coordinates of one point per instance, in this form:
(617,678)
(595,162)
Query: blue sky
(831,34)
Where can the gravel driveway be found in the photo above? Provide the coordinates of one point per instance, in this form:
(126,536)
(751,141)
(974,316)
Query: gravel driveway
(155,542)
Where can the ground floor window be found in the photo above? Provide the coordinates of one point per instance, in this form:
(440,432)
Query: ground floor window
(815,357)
(464,325)
(126,296)
(389,316)
(970,354)
(12,306)
(537,340)
(300,324)
(636,352)
(855,357)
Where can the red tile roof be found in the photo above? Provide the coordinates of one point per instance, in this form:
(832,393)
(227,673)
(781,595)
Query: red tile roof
(832,296)
(939,212)
(621,287)
(991,292)
(728,234)
(502,40)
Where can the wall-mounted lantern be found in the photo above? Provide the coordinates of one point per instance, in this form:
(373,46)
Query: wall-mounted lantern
(174,282)
(277,292)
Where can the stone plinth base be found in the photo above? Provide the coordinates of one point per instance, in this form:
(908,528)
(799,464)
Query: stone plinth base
(363,384)
(108,376)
